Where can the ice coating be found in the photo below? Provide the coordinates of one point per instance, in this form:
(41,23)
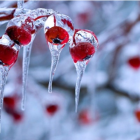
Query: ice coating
(25,68)
(58,30)
(8,56)
(40,16)
(83,47)
(3,77)
(21,30)
(20,4)
(82,35)
(31,19)
(8,51)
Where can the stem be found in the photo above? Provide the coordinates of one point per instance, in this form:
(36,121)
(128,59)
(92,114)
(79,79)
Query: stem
(80,68)
(41,17)
(20,4)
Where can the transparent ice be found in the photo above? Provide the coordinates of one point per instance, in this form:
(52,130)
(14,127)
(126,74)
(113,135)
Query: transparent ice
(25,68)
(57,20)
(3,76)
(4,69)
(20,4)
(82,36)
(18,21)
(38,18)
(40,15)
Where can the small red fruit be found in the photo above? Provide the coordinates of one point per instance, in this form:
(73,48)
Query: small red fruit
(9,102)
(8,55)
(52,109)
(134,62)
(84,117)
(17,116)
(57,35)
(82,51)
(137,114)
(19,35)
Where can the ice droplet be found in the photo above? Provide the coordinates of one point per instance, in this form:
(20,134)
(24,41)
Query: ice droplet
(80,68)
(3,76)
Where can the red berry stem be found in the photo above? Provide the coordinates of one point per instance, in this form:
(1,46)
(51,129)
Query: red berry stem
(41,17)
(8,17)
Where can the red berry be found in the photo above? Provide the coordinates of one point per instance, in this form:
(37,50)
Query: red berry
(8,55)
(52,109)
(134,62)
(17,116)
(9,102)
(137,114)
(82,51)
(19,35)
(84,117)
(57,35)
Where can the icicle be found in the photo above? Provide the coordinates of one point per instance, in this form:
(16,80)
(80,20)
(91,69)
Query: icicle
(25,67)
(3,77)
(80,68)
(55,53)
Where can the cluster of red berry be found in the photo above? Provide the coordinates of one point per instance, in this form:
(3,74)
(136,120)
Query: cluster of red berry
(10,106)
(20,35)
(58,29)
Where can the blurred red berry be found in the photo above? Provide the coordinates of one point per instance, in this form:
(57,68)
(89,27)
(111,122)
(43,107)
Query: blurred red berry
(137,114)
(9,102)
(17,116)
(52,109)
(85,117)
(134,62)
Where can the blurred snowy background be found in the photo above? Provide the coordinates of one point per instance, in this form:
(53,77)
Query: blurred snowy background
(109,107)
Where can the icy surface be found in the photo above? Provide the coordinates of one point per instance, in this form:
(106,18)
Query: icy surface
(26,62)
(82,36)
(64,22)
(20,4)
(3,77)
(80,68)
